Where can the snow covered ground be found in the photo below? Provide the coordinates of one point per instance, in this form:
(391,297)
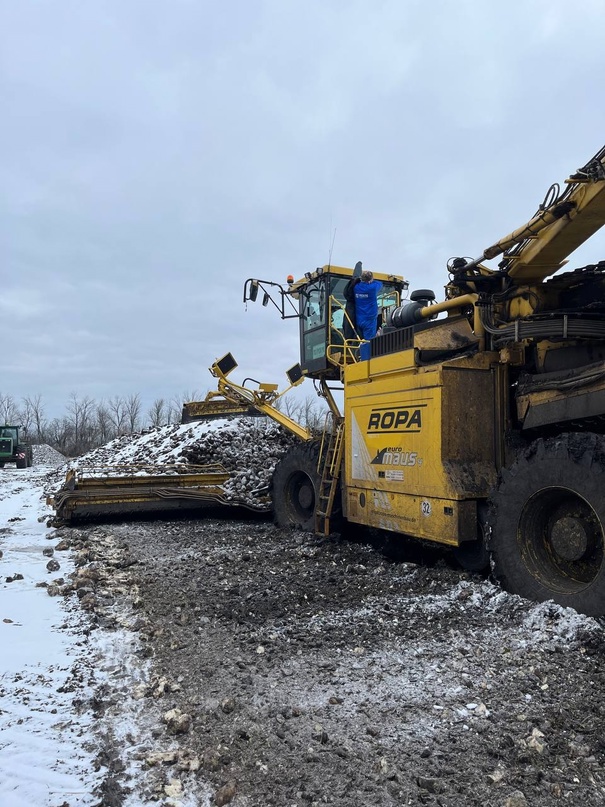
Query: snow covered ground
(45,756)
(70,690)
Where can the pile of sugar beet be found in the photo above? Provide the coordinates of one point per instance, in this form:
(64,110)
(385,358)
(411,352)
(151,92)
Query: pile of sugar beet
(248,447)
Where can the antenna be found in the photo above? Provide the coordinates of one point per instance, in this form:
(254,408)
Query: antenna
(331,246)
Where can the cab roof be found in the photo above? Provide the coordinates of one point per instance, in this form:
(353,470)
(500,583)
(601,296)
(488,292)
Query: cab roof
(341,271)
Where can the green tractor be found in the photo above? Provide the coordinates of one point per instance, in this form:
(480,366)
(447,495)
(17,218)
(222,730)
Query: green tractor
(12,449)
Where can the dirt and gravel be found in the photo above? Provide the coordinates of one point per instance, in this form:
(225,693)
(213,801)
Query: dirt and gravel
(266,666)
(277,668)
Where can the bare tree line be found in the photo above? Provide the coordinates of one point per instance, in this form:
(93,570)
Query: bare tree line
(88,423)
(310,411)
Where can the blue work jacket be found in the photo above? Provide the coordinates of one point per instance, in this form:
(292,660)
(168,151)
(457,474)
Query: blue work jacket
(366,300)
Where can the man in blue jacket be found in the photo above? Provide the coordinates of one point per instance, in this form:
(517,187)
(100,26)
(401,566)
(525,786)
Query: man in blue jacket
(366,310)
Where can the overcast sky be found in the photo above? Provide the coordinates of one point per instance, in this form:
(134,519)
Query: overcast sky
(156,153)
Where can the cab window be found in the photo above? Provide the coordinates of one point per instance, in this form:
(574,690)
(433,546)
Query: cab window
(313,324)
(314,308)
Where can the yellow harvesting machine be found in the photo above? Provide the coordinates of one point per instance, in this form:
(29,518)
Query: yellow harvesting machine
(478,422)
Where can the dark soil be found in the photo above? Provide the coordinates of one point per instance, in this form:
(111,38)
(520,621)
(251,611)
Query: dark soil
(319,671)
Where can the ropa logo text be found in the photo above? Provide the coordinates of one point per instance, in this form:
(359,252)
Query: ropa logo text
(395,420)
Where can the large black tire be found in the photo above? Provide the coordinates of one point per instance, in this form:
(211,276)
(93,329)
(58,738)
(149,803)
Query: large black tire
(546,523)
(21,463)
(296,487)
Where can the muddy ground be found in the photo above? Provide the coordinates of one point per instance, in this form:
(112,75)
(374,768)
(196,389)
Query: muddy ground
(319,671)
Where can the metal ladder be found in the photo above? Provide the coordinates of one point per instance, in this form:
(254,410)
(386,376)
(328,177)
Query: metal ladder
(329,465)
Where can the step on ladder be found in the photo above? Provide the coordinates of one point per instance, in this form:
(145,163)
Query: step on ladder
(328,466)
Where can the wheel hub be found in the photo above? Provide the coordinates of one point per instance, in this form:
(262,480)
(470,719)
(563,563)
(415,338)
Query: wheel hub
(569,538)
(305,495)
(561,540)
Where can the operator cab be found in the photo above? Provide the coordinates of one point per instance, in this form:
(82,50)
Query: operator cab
(323,317)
